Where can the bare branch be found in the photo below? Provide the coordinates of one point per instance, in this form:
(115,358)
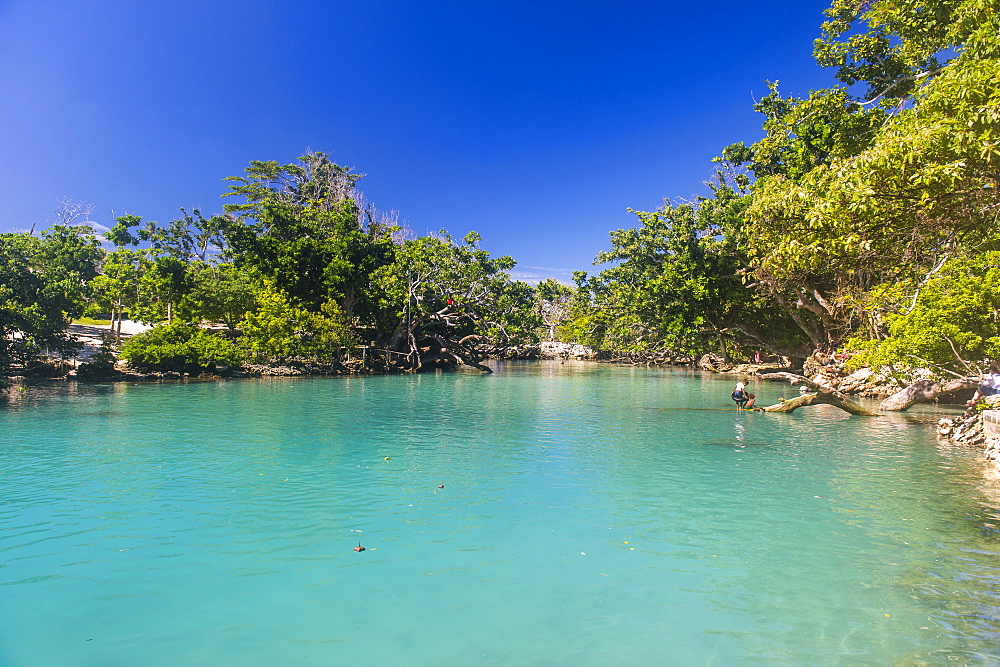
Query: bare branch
(960,359)
(912,77)
(938,366)
(920,286)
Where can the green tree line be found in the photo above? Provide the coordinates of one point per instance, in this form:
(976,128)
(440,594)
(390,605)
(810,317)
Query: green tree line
(865,218)
(298,269)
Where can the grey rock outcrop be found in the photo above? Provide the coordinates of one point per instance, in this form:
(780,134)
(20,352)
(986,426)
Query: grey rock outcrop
(976,428)
(553,350)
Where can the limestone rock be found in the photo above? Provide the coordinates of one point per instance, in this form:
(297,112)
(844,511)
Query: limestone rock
(992,449)
(519,352)
(969,430)
(712,362)
(554,350)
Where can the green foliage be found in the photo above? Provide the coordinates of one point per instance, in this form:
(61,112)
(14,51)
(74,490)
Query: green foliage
(676,285)
(802,134)
(870,218)
(279,331)
(187,238)
(902,186)
(893,46)
(302,227)
(553,304)
(74,253)
(181,348)
(121,234)
(952,325)
(304,268)
(42,288)
(218,293)
(447,291)
(118,288)
(863,217)
(151,282)
(866,212)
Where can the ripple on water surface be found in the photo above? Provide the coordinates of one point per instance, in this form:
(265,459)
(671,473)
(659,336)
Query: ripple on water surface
(588,513)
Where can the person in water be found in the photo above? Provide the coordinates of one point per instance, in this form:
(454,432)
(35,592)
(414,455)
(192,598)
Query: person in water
(744,399)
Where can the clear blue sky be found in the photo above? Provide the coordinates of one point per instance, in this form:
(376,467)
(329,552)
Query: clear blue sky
(534,123)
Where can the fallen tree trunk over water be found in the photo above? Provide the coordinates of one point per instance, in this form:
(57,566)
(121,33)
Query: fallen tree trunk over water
(923,391)
(827,398)
(821,395)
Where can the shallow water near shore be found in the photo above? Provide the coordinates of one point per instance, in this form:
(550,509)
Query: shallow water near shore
(589,514)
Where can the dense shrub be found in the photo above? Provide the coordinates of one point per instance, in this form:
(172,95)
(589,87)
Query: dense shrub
(181,348)
(279,331)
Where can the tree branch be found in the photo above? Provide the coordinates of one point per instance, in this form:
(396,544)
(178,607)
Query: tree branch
(960,359)
(920,286)
(912,77)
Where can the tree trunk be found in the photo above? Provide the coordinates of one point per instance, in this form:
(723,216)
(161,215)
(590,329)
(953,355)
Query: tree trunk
(829,398)
(822,395)
(455,350)
(814,331)
(348,302)
(116,324)
(723,350)
(923,391)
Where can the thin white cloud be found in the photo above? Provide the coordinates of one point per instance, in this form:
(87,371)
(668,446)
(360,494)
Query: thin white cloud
(536,274)
(96,226)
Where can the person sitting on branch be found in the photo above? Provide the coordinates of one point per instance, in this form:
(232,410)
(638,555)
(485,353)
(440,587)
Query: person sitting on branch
(990,386)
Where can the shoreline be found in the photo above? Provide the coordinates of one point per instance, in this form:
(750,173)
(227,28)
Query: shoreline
(972,428)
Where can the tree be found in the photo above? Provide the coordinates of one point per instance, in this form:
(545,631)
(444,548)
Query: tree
(895,47)
(166,282)
(300,225)
(676,285)
(72,252)
(218,293)
(118,287)
(552,304)
(190,237)
(40,293)
(447,303)
(279,331)
(915,194)
(951,325)
(182,348)
(153,280)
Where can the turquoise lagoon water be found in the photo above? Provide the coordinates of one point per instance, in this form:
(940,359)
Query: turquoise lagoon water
(590,514)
